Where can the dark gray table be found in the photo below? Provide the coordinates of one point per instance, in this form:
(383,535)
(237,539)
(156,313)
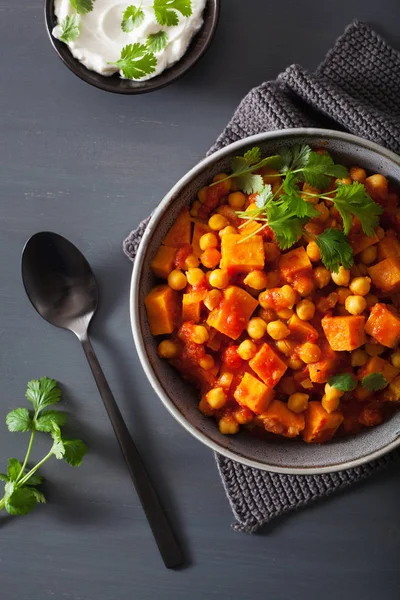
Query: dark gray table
(90,165)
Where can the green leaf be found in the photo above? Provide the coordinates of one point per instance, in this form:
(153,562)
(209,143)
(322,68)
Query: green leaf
(133,17)
(69,28)
(21,501)
(34,480)
(345,382)
(320,168)
(4,477)
(164,11)
(249,183)
(38,495)
(82,6)
(335,250)
(43,392)
(57,448)
(14,469)
(295,157)
(374,382)
(19,420)
(353,200)
(136,61)
(264,196)
(9,489)
(49,418)
(300,207)
(285,224)
(75,450)
(157,41)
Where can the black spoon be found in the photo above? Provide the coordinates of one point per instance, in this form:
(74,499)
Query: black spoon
(62,287)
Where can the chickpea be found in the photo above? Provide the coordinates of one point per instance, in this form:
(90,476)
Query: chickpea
(199,334)
(202,194)
(285,346)
(225,380)
(360,286)
(295,364)
(191,262)
(167,349)
(361,393)
(371,300)
(344,181)
(288,296)
(243,415)
(343,293)
(309,353)
(247,350)
(285,313)
(194,276)
(355,305)
(205,408)
(374,349)
(332,393)
(256,328)
(227,183)
(341,278)
(219,279)
(298,402)
(216,398)
(359,358)
(330,404)
(305,310)
(395,359)
(267,314)
(285,297)
(271,251)
(208,240)
(288,385)
(194,210)
(237,200)
(324,212)
(210,258)
(207,362)
(212,299)
(229,229)
(377,185)
(228,425)
(369,255)
(313,252)
(313,229)
(217,222)
(380,232)
(322,277)
(257,280)
(278,330)
(177,280)
(358,174)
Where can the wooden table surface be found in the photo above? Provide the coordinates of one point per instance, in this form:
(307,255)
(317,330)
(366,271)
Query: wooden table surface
(91,165)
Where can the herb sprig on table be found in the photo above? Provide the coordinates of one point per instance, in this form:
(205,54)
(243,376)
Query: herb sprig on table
(288,209)
(21,493)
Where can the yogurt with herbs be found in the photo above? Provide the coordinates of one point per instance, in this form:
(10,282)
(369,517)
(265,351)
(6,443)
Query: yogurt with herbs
(137,40)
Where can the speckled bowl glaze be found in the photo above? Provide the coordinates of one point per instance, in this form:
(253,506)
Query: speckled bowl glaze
(180,398)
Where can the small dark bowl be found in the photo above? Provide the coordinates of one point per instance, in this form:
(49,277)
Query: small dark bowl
(114,83)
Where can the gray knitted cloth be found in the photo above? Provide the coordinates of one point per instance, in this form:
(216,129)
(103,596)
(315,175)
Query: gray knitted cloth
(357,89)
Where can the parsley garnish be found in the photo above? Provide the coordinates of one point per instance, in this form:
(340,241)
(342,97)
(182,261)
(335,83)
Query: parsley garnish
(69,28)
(20,491)
(374,382)
(157,41)
(345,382)
(335,250)
(165,11)
(136,61)
(82,6)
(132,17)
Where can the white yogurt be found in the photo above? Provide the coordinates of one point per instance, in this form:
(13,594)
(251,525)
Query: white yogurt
(101,38)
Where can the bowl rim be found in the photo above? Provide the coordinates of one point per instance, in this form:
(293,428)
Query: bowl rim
(166,77)
(134,296)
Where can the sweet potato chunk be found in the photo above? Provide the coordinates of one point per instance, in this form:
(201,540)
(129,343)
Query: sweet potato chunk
(279,419)
(293,262)
(376,364)
(323,369)
(244,256)
(302,330)
(254,394)
(233,313)
(180,232)
(385,274)
(198,230)
(163,262)
(268,365)
(359,241)
(384,325)
(392,392)
(191,306)
(344,333)
(387,247)
(162,307)
(320,426)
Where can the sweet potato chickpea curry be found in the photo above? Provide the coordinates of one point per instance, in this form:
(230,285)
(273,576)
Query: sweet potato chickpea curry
(280,293)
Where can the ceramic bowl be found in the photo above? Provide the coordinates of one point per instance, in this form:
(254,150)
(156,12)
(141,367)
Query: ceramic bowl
(180,398)
(114,83)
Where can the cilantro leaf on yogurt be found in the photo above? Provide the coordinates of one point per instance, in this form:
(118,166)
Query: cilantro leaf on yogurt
(82,6)
(166,11)
(69,28)
(132,17)
(136,61)
(157,41)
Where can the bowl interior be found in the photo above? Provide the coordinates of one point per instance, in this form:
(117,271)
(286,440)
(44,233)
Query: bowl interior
(114,83)
(181,399)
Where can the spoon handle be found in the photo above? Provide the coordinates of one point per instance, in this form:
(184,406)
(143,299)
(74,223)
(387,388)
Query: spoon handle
(167,544)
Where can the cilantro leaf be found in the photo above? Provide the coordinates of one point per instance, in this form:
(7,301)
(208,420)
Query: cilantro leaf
(49,418)
(43,392)
(264,196)
(39,496)
(353,200)
(319,169)
(82,6)
(300,207)
(345,382)
(335,250)
(249,183)
(136,61)
(165,11)
(19,420)
(284,223)
(157,41)
(57,448)
(14,469)
(132,17)
(374,382)
(75,450)
(295,157)
(4,477)
(69,28)
(21,501)
(34,480)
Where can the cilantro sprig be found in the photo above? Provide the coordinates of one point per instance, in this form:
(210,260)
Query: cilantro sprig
(166,11)
(133,16)
(82,7)
(345,382)
(20,491)
(69,28)
(136,61)
(374,382)
(157,41)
